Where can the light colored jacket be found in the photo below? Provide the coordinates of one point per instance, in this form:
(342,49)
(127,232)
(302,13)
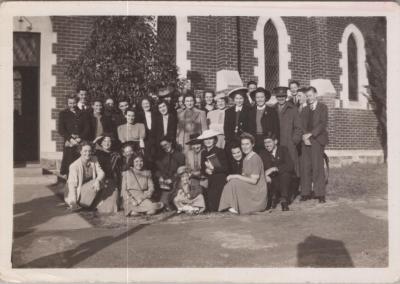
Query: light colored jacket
(75,178)
(196,122)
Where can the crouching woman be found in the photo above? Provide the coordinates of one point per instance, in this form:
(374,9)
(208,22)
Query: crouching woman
(137,188)
(84,180)
(189,197)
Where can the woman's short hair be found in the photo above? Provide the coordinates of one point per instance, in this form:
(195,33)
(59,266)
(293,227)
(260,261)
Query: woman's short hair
(96,99)
(248,136)
(234,144)
(270,135)
(131,109)
(84,143)
(209,91)
(145,98)
(162,101)
(137,155)
(123,99)
(294,82)
(72,97)
(189,95)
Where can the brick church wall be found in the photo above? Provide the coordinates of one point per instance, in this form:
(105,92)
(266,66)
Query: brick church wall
(72,35)
(314,48)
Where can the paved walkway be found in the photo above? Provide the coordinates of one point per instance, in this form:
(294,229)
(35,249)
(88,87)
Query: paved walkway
(340,233)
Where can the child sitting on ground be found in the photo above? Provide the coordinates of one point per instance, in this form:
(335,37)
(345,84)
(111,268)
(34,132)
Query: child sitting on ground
(189,197)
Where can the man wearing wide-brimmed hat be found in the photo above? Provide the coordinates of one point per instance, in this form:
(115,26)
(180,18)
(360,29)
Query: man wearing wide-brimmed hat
(263,120)
(237,116)
(290,129)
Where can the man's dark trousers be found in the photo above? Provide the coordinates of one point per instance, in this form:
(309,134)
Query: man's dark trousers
(312,169)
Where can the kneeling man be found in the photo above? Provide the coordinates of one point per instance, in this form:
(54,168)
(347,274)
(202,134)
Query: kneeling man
(279,172)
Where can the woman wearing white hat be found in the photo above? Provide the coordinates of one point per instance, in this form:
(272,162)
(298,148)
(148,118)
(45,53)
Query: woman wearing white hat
(214,166)
(216,118)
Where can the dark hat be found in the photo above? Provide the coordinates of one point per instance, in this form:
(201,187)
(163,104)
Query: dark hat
(280,91)
(238,91)
(267,93)
(193,139)
(100,138)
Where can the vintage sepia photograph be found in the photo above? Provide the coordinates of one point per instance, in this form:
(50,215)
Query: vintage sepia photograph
(200,140)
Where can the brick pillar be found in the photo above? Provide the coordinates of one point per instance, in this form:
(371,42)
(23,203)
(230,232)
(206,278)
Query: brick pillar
(318,47)
(227,55)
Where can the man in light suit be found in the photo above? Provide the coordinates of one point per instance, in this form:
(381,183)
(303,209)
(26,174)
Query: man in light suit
(314,119)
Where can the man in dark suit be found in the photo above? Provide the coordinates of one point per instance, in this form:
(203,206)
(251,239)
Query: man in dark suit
(166,122)
(236,117)
(290,132)
(314,119)
(119,116)
(279,171)
(97,122)
(249,100)
(70,127)
(293,88)
(83,100)
(263,120)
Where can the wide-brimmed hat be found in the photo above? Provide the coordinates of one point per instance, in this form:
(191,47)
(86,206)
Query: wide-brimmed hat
(193,139)
(100,138)
(280,91)
(238,91)
(181,170)
(207,134)
(266,93)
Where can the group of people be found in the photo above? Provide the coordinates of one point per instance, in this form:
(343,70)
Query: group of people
(245,151)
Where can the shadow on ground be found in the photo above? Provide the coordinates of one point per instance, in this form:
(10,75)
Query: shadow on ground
(319,252)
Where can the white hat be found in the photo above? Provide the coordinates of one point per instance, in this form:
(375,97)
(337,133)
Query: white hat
(209,133)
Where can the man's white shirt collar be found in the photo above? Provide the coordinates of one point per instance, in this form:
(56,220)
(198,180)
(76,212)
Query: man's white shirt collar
(313,106)
(238,108)
(261,108)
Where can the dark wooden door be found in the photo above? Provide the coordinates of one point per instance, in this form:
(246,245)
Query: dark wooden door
(26,96)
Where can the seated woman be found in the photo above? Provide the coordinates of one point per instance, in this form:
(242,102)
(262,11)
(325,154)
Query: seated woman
(247,192)
(110,162)
(84,179)
(137,188)
(236,159)
(189,197)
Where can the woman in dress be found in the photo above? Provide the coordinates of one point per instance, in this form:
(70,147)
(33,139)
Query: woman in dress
(137,188)
(216,118)
(110,163)
(189,197)
(247,192)
(132,131)
(84,179)
(214,167)
(191,120)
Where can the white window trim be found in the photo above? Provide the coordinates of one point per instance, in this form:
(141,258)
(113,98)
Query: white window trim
(362,102)
(183,28)
(285,74)
(47,81)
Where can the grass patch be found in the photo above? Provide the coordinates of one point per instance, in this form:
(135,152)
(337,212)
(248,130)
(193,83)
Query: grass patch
(353,182)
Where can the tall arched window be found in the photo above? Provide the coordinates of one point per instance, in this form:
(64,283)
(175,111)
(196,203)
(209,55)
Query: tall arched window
(166,33)
(271,51)
(354,73)
(353,68)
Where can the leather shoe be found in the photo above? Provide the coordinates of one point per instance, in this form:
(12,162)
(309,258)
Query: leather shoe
(285,206)
(321,199)
(304,198)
